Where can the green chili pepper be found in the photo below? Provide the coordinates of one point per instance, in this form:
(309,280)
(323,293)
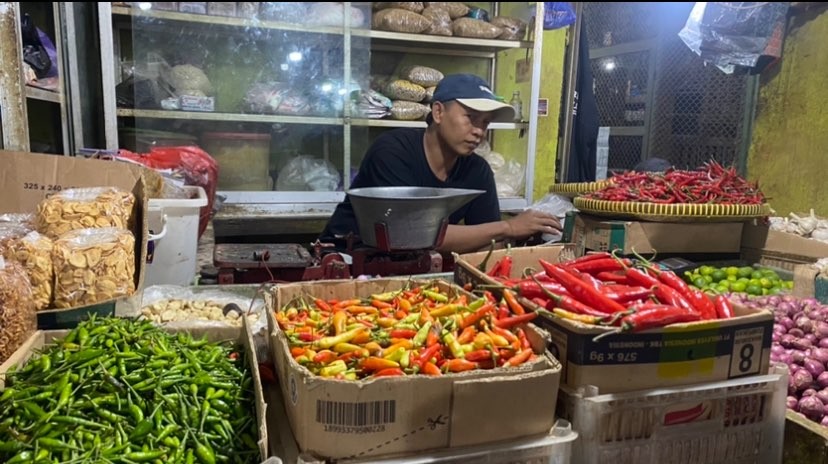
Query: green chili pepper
(141,430)
(144,456)
(77,421)
(205,454)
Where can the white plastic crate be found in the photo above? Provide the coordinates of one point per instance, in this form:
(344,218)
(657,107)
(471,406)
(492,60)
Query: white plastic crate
(732,422)
(555,448)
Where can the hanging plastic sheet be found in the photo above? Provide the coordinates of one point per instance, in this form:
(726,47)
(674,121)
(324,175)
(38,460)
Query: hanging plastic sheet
(736,34)
(557,15)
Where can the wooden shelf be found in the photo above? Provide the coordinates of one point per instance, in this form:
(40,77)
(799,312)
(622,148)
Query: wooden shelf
(232,117)
(43,95)
(441,41)
(223,21)
(422,124)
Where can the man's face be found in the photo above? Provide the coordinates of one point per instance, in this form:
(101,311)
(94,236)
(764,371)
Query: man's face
(460,127)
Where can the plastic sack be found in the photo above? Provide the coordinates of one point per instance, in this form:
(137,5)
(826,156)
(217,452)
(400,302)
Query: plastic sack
(401,89)
(265,97)
(735,34)
(429,94)
(557,15)
(373,105)
(34,252)
(440,21)
(17,311)
(557,206)
(192,164)
(513,28)
(93,265)
(289,12)
(84,208)
(307,173)
(174,306)
(416,7)
(454,9)
(22,219)
(422,76)
(398,20)
(475,28)
(509,174)
(408,111)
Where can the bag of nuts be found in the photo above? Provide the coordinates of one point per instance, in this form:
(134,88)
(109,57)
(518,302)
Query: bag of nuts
(84,208)
(17,312)
(93,265)
(402,89)
(34,252)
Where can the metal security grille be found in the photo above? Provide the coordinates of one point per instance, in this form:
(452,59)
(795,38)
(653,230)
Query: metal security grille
(656,95)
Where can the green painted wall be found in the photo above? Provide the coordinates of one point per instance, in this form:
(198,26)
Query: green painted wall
(788,149)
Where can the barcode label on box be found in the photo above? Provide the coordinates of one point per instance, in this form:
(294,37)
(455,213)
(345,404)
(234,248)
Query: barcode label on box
(367,417)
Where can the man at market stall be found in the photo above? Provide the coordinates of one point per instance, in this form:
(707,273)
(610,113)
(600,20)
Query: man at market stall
(442,156)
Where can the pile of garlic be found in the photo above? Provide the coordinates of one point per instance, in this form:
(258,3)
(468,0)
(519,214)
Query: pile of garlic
(806,226)
(822,266)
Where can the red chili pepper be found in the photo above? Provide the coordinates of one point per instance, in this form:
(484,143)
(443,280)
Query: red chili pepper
(524,342)
(514,320)
(433,337)
(570,304)
(428,353)
(505,267)
(489,297)
(390,372)
(657,317)
(530,289)
(636,277)
(724,308)
(601,265)
(516,307)
(325,357)
(703,304)
(467,336)
(476,316)
(612,277)
(671,297)
(592,281)
(321,304)
(479,355)
(502,311)
(309,337)
(580,290)
(505,332)
(542,302)
(519,358)
(686,416)
(403,333)
(625,294)
(589,257)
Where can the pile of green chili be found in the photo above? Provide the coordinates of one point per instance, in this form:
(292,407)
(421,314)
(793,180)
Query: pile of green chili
(124,391)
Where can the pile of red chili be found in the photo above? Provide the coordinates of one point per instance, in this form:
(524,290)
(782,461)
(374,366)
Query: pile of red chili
(602,289)
(421,330)
(711,183)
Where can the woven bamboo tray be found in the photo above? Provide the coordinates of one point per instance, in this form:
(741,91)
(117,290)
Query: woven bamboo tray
(676,212)
(573,189)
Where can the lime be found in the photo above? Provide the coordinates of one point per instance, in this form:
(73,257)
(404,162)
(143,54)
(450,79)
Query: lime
(699,282)
(753,289)
(756,282)
(732,270)
(774,291)
(732,278)
(718,275)
(721,289)
(725,284)
(788,284)
(745,271)
(706,270)
(765,282)
(708,278)
(769,273)
(744,279)
(756,275)
(739,287)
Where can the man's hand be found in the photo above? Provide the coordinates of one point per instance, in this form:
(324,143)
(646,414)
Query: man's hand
(531,222)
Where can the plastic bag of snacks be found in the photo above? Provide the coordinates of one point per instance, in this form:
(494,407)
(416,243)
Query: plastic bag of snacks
(454,9)
(416,7)
(93,265)
(429,94)
(10,235)
(408,111)
(422,75)
(34,252)
(440,21)
(401,89)
(22,219)
(513,28)
(84,208)
(17,312)
(468,27)
(398,20)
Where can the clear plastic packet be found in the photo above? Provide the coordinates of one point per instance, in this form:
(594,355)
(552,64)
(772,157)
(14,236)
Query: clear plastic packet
(402,89)
(17,312)
(398,20)
(422,76)
(21,219)
(84,208)
(175,306)
(440,21)
(513,28)
(408,111)
(10,235)
(454,9)
(34,252)
(416,7)
(475,28)
(93,265)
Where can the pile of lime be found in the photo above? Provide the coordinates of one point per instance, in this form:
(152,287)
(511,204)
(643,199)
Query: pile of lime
(751,280)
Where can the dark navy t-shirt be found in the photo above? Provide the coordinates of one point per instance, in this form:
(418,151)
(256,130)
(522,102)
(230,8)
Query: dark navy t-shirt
(397,159)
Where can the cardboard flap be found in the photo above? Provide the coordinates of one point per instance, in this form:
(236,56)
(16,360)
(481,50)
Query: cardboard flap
(518,402)
(804,276)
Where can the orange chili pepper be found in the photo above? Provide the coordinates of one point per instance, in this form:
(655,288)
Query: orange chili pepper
(425,316)
(467,336)
(325,357)
(361,338)
(504,333)
(390,372)
(373,348)
(404,304)
(476,316)
(345,303)
(362,310)
(400,314)
(376,364)
(433,336)
(519,358)
(430,369)
(297,351)
(321,304)
(512,301)
(407,344)
(381,304)
(386,322)
(459,365)
(340,320)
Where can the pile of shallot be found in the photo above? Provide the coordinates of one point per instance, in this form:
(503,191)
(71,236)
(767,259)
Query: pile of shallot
(809,226)
(800,340)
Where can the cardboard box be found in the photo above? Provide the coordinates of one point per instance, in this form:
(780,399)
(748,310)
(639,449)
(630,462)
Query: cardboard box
(681,354)
(805,440)
(808,283)
(340,419)
(466,271)
(243,336)
(28,178)
(780,249)
(590,233)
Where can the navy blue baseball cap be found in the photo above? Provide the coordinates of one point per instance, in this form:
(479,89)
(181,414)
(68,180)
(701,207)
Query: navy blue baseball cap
(473,92)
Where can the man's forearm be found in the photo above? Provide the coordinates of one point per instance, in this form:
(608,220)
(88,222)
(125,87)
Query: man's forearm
(465,239)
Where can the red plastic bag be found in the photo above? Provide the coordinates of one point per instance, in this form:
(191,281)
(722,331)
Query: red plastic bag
(194,164)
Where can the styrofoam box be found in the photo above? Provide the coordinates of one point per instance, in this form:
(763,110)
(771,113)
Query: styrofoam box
(734,422)
(555,448)
(175,255)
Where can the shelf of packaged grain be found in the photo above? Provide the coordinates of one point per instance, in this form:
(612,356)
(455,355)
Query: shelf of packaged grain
(162,15)
(443,42)
(422,124)
(235,117)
